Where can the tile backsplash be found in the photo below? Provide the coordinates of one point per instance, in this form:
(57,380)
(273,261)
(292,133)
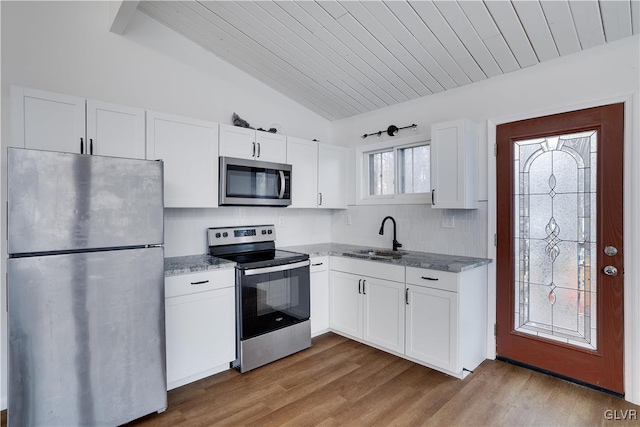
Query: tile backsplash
(185,229)
(419,228)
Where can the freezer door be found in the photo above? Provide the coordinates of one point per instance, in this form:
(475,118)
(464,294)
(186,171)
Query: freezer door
(86,338)
(63,201)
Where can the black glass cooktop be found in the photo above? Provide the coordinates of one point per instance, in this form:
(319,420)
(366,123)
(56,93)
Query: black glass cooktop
(266,258)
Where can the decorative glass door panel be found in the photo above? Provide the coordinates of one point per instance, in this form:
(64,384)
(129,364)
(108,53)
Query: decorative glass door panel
(555,287)
(559,206)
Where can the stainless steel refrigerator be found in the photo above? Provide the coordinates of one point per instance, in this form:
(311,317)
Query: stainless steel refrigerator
(85,289)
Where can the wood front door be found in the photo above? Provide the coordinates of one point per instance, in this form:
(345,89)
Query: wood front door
(560,250)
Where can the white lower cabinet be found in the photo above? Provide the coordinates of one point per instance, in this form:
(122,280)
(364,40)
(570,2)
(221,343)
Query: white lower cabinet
(319,295)
(446,316)
(435,318)
(367,308)
(383,313)
(200,325)
(432,326)
(345,302)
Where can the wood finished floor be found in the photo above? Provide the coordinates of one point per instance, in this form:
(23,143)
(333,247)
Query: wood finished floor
(341,382)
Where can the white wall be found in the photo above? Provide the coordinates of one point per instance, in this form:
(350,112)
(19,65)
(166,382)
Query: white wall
(588,78)
(419,228)
(184,232)
(66,47)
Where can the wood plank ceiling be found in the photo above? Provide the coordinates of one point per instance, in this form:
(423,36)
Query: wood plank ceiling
(342,58)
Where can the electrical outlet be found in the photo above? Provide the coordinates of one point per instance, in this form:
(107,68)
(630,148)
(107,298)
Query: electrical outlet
(348,219)
(448,221)
(281,221)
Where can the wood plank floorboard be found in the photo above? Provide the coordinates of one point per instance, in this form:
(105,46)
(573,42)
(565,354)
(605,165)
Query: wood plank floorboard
(340,382)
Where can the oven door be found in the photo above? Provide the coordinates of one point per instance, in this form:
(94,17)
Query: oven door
(273,298)
(250,182)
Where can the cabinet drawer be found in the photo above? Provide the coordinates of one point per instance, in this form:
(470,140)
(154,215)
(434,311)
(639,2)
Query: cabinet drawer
(433,279)
(185,284)
(319,264)
(360,267)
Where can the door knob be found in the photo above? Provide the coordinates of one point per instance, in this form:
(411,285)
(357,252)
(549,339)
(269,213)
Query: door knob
(610,270)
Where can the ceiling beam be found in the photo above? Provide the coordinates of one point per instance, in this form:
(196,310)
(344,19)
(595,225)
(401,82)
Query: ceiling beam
(120,14)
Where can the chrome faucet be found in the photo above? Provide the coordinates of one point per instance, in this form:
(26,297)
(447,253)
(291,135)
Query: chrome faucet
(396,244)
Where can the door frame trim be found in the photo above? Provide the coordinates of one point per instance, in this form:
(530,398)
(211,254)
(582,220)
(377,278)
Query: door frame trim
(631,209)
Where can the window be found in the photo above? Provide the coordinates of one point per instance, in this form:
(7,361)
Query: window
(381,173)
(395,173)
(413,169)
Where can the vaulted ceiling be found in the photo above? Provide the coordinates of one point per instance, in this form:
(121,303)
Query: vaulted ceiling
(342,58)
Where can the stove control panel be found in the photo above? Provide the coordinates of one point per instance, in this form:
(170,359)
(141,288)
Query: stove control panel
(217,236)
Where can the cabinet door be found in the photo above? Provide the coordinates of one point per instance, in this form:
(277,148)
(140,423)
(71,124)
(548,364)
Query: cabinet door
(454,179)
(189,148)
(432,326)
(237,142)
(319,296)
(115,130)
(302,155)
(47,121)
(345,303)
(271,147)
(384,303)
(332,176)
(200,332)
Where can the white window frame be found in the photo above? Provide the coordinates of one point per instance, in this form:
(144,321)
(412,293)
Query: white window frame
(362,173)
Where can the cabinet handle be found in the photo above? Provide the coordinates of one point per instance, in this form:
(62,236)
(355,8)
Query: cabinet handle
(406,296)
(430,278)
(320,204)
(359,285)
(202,282)
(433,197)
(91,146)
(254,150)
(315,265)
(258,149)
(364,287)
(81,146)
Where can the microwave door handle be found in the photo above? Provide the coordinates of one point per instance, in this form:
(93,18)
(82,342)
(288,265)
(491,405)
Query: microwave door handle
(281,195)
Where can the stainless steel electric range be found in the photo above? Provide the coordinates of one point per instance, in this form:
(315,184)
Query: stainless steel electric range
(272,294)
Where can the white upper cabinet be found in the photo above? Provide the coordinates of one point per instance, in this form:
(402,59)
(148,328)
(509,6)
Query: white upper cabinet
(115,130)
(302,155)
(454,165)
(319,174)
(189,148)
(237,142)
(51,121)
(245,143)
(271,147)
(332,176)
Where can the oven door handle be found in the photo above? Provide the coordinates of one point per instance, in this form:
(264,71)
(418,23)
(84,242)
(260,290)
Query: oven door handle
(282,186)
(254,271)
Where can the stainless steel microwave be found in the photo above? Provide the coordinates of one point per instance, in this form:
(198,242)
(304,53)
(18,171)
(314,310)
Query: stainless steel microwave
(250,182)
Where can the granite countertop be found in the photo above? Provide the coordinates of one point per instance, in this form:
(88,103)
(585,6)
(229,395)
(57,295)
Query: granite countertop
(194,263)
(442,262)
